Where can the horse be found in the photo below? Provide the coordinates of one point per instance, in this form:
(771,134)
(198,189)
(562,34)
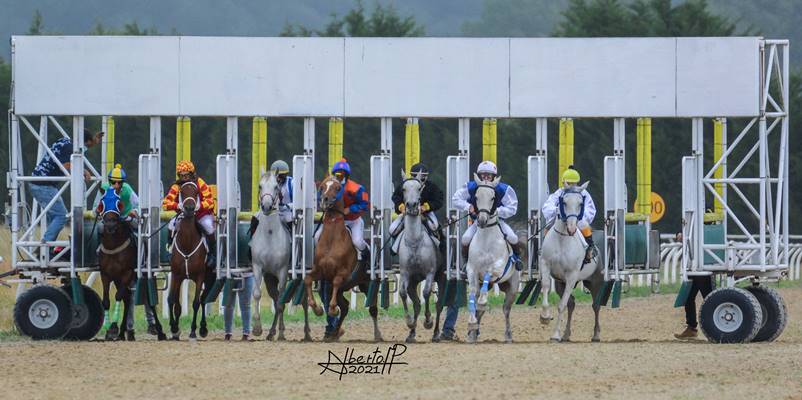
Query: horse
(562,255)
(489,261)
(117,258)
(335,261)
(419,259)
(270,252)
(188,261)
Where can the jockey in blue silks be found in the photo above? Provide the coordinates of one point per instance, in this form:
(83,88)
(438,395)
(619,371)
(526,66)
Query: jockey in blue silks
(506,205)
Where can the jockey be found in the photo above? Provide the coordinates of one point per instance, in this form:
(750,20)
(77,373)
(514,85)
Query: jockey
(128,197)
(356,203)
(281,170)
(551,208)
(185,171)
(431,200)
(506,207)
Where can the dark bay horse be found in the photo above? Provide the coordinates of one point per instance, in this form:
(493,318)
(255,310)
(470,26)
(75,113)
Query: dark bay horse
(335,261)
(188,261)
(117,258)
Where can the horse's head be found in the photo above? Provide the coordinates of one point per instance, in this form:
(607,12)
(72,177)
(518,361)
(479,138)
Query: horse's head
(486,200)
(331,192)
(572,207)
(268,192)
(109,208)
(412,187)
(188,198)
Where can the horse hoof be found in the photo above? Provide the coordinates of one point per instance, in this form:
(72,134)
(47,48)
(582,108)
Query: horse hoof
(334,312)
(555,340)
(378,339)
(203,331)
(307,338)
(281,337)
(193,335)
(428,324)
(508,339)
(595,340)
(161,336)
(411,339)
(257,330)
(270,336)
(545,321)
(481,307)
(130,336)
(174,338)
(317,310)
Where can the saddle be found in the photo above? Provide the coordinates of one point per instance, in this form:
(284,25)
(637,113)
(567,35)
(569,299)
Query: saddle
(434,235)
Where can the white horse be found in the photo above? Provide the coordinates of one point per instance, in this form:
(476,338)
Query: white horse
(562,255)
(489,262)
(270,252)
(417,258)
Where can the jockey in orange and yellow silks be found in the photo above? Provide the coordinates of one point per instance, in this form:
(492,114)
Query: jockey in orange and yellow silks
(185,172)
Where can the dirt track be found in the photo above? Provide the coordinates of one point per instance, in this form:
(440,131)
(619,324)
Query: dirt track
(637,359)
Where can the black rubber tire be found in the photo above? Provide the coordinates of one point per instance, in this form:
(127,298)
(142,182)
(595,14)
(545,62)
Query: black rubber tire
(775,314)
(53,295)
(749,307)
(87,318)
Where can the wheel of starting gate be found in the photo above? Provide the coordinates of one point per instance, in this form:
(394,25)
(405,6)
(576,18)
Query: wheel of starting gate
(87,318)
(730,315)
(775,314)
(43,312)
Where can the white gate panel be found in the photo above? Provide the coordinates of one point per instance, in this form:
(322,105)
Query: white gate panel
(441,77)
(95,75)
(718,76)
(592,77)
(538,188)
(261,76)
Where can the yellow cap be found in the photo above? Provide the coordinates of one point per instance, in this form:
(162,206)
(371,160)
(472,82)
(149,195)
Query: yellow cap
(571,176)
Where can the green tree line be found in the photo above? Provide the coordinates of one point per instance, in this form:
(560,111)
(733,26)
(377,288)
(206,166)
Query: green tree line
(593,137)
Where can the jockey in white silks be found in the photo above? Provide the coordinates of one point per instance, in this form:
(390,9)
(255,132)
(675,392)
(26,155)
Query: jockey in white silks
(506,205)
(281,170)
(552,206)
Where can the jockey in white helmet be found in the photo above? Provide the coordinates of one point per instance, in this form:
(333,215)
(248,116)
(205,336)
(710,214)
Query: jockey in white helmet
(506,207)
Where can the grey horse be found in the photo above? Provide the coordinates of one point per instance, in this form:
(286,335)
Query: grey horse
(562,255)
(270,251)
(489,262)
(417,257)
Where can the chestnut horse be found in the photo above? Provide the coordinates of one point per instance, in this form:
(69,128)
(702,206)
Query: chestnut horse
(117,258)
(335,261)
(188,261)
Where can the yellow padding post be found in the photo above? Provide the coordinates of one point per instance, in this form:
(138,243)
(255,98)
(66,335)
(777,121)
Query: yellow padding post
(109,138)
(411,143)
(566,151)
(644,166)
(489,139)
(183,139)
(336,133)
(718,152)
(258,157)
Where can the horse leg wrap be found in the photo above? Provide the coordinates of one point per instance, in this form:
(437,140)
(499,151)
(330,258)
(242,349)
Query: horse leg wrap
(485,282)
(472,303)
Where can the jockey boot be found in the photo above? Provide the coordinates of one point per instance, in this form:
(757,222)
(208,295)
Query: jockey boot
(589,251)
(364,263)
(517,250)
(464,253)
(211,254)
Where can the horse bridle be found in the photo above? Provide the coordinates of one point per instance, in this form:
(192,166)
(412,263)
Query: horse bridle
(561,204)
(275,197)
(492,212)
(330,207)
(420,190)
(182,200)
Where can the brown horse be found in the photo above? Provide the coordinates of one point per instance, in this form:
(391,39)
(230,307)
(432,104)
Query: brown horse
(117,258)
(335,260)
(188,261)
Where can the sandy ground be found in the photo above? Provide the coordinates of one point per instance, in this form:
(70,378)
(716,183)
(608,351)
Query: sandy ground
(638,358)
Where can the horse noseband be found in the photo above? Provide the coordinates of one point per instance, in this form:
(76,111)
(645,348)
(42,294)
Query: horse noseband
(563,216)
